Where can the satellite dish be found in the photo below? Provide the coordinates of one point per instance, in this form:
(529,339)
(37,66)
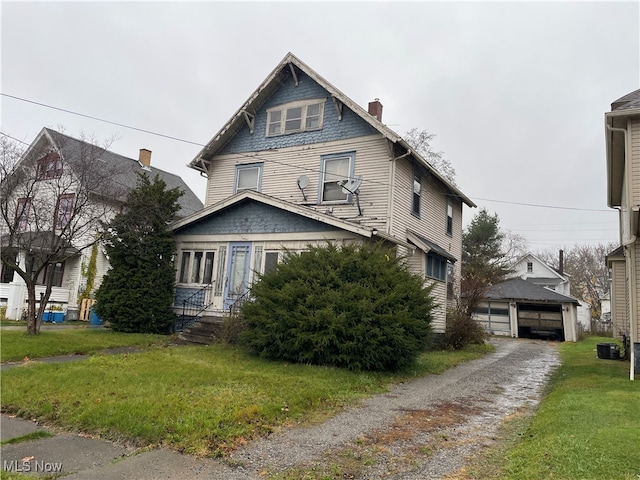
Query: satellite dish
(351,185)
(303,182)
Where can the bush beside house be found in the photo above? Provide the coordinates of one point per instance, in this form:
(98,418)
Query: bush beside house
(354,306)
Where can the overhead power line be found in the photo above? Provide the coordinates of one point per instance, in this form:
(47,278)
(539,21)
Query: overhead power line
(254,158)
(101,119)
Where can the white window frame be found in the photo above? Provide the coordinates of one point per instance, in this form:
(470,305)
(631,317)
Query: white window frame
(278,126)
(350,156)
(245,168)
(449,226)
(416,193)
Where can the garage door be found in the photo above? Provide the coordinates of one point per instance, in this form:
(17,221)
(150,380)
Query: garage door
(540,321)
(494,317)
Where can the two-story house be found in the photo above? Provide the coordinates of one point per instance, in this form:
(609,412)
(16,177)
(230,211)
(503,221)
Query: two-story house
(301,163)
(622,133)
(60,190)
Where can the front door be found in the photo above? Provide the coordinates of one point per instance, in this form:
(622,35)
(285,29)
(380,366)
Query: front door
(237,283)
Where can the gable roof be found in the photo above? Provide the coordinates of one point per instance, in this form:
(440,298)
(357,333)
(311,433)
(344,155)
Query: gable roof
(301,210)
(553,271)
(290,62)
(519,289)
(72,149)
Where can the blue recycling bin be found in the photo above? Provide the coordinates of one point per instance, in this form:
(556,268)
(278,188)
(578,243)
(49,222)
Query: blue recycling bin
(50,316)
(93,318)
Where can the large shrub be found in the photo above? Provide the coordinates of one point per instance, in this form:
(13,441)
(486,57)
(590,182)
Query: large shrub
(355,306)
(462,329)
(137,292)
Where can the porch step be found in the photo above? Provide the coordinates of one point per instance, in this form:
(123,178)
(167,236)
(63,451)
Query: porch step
(204,331)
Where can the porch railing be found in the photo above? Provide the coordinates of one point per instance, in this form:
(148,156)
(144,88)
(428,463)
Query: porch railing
(192,308)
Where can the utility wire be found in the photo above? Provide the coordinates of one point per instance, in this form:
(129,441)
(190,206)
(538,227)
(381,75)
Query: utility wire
(101,119)
(277,162)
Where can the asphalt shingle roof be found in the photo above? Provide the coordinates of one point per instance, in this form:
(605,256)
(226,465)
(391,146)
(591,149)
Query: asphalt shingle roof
(519,289)
(73,148)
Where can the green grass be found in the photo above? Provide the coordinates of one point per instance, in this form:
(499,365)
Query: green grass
(587,426)
(28,437)
(15,345)
(198,400)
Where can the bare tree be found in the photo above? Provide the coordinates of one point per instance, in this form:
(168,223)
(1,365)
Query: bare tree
(420,140)
(55,194)
(588,269)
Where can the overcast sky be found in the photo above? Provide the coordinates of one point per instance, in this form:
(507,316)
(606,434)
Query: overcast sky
(515,92)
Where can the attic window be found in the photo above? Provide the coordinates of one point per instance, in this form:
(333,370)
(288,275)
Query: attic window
(529,267)
(49,166)
(295,117)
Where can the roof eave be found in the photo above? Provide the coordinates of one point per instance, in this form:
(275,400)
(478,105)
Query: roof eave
(615,156)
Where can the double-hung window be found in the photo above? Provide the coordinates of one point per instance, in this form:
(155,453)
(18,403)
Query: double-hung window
(417,193)
(248,177)
(53,273)
(22,213)
(196,267)
(437,267)
(64,210)
(295,117)
(449,216)
(333,170)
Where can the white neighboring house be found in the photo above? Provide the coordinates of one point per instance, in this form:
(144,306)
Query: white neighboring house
(529,267)
(55,165)
(535,302)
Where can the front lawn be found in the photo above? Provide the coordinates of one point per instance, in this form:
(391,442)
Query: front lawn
(15,345)
(587,426)
(198,400)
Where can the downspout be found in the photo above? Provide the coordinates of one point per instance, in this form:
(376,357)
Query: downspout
(392,182)
(629,264)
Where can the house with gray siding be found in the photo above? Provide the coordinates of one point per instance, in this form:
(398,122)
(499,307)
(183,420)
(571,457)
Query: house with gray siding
(301,163)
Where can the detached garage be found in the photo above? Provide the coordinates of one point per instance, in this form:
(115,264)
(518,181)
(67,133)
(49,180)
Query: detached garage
(519,308)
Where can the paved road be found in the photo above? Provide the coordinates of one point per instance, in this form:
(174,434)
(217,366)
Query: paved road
(450,415)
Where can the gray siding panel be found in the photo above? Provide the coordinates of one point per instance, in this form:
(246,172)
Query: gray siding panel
(254,217)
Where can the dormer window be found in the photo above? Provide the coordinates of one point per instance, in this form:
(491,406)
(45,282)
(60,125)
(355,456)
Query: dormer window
(295,117)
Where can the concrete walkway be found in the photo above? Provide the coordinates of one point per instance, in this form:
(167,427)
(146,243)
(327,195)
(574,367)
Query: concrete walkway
(82,458)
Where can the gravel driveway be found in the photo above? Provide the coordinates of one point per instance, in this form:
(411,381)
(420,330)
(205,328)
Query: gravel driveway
(419,430)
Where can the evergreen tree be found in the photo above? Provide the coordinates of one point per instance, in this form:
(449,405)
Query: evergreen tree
(355,306)
(484,262)
(136,294)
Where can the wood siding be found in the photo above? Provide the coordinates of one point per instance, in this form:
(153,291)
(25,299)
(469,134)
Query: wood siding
(634,167)
(619,315)
(432,223)
(282,167)
(635,288)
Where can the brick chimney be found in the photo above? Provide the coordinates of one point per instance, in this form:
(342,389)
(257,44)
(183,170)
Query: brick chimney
(561,262)
(145,158)
(375,109)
